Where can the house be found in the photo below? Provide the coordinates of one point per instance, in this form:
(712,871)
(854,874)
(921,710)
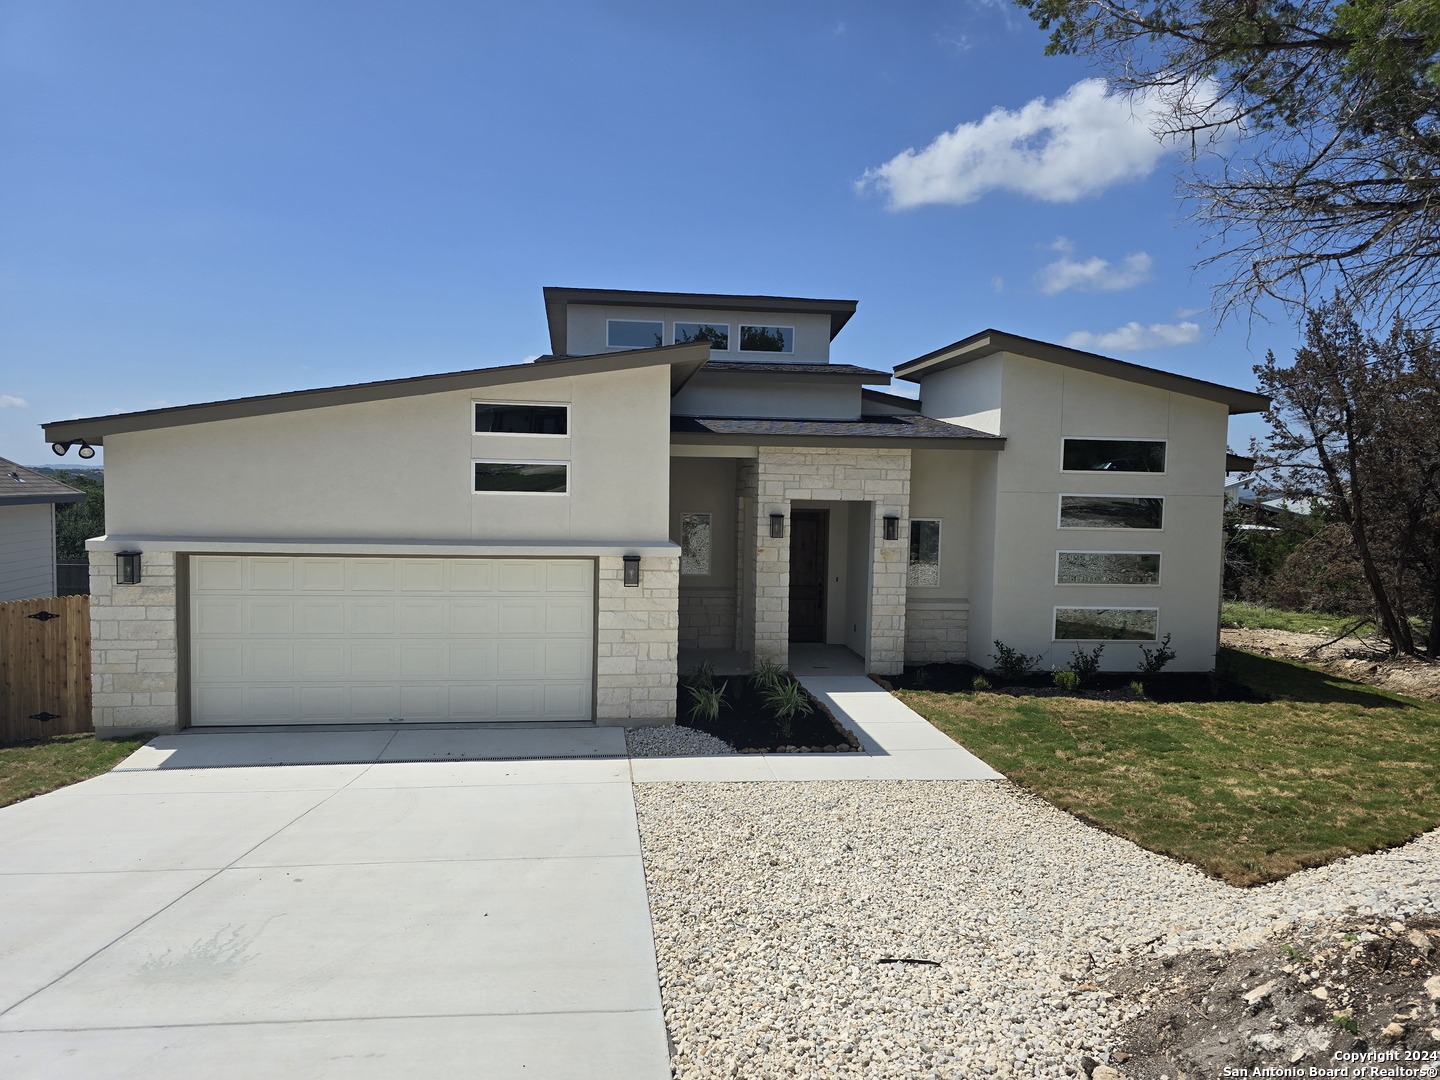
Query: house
(27,530)
(539,541)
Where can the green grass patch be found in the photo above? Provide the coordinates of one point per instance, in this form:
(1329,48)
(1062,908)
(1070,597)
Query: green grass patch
(1242,616)
(1249,792)
(33,768)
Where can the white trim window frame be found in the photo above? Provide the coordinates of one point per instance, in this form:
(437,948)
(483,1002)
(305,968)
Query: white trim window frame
(519,434)
(528,461)
(730,344)
(939,540)
(740,345)
(1159,570)
(635,322)
(1060,511)
(1055,620)
(1112,472)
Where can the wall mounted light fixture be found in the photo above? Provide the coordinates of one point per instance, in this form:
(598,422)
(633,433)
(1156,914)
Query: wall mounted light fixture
(60,448)
(777,525)
(892,527)
(632,571)
(86,451)
(127,568)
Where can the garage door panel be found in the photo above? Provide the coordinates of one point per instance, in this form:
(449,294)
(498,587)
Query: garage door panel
(470,617)
(218,660)
(218,616)
(272,618)
(371,617)
(272,574)
(318,640)
(321,575)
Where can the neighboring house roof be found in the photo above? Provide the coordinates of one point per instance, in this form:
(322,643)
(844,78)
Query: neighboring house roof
(20,486)
(988,342)
(1238,462)
(558,299)
(684,361)
(900,432)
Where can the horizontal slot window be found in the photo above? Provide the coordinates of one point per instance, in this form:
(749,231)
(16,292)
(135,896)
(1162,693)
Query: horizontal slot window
(777,339)
(1106,624)
(1108,568)
(1111,512)
(524,477)
(717,334)
(924,569)
(1114,455)
(507,419)
(634,334)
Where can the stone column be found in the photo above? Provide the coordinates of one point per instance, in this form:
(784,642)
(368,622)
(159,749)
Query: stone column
(134,659)
(636,642)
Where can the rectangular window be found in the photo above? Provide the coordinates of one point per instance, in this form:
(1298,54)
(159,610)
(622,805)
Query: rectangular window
(694,545)
(523,477)
(516,419)
(634,334)
(779,339)
(1111,512)
(1114,455)
(1107,568)
(1106,624)
(924,569)
(717,334)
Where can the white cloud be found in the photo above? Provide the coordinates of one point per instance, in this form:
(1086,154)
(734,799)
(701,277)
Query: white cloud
(998,283)
(9,402)
(1083,142)
(1093,274)
(1133,336)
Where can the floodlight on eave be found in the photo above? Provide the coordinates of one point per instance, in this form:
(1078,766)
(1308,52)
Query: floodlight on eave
(988,342)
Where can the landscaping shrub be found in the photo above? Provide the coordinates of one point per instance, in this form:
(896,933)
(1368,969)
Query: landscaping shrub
(1011,665)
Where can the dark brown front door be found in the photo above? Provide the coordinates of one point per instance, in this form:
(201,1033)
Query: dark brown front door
(809,531)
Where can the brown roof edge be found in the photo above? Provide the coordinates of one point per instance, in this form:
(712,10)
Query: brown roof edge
(988,342)
(557,298)
(1238,463)
(898,401)
(684,361)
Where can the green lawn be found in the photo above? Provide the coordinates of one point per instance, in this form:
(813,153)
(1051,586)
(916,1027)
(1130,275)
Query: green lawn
(1234,613)
(1248,792)
(33,768)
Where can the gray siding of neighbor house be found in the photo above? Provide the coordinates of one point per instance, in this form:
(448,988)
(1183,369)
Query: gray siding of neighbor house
(27,551)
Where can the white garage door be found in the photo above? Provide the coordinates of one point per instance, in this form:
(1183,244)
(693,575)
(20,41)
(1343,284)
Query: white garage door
(350,640)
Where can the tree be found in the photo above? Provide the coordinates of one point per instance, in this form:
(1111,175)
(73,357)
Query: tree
(79,521)
(1355,423)
(1324,122)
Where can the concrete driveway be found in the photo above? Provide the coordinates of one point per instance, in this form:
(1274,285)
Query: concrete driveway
(394,909)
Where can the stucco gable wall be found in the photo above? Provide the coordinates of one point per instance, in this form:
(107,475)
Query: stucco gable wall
(768,395)
(403,469)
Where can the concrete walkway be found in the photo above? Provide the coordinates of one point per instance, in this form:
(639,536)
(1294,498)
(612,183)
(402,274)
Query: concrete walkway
(402,913)
(899,744)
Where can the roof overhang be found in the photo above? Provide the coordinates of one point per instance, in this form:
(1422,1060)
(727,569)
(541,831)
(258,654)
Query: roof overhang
(684,361)
(988,342)
(710,438)
(1238,463)
(558,299)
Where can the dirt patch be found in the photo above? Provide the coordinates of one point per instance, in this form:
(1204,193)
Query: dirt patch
(1357,659)
(1345,997)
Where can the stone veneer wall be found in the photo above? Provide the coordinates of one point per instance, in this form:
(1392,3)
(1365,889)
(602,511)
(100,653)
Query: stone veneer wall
(636,642)
(135,666)
(707,619)
(936,632)
(783,476)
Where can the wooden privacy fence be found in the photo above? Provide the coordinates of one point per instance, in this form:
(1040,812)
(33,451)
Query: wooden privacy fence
(44,667)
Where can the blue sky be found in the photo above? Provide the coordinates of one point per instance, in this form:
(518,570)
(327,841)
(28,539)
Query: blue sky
(210,200)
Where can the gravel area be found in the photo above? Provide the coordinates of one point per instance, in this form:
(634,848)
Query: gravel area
(671,740)
(774,906)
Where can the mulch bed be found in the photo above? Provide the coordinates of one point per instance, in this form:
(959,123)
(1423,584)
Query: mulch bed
(1104,686)
(748,723)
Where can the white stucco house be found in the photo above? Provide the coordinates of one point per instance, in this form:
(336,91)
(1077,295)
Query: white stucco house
(27,530)
(539,541)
